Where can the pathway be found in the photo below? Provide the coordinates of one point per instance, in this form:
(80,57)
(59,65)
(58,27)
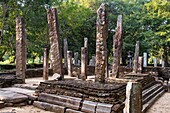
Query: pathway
(162,105)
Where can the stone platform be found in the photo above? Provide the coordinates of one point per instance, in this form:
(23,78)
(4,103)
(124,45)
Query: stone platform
(88,90)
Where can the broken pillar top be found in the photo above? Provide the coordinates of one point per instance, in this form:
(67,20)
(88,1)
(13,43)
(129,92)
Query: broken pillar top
(102,14)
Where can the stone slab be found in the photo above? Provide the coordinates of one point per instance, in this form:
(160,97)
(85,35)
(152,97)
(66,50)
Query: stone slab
(12,97)
(70,102)
(72,111)
(49,107)
(104,108)
(89,106)
(26,86)
(27,92)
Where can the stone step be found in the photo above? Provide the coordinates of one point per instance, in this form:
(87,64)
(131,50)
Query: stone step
(26,86)
(73,111)
(27,92)
(49,107)
(104,108)
(145,100)
(67,101)
(147,105)
(89,106)
(149,90)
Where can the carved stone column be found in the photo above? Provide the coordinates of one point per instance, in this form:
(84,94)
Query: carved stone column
(76,55)
(83,63)
(117,45)
(86,45)
(45,64)
(101,46)
(20,48)
(69,61)
(55,50)
(65,53)
(135,66)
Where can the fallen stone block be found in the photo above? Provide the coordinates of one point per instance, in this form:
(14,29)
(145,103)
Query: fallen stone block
(73,111)
(2,104)
(89,106)
(104,108)
(12,97)
(67,101)
(49,107)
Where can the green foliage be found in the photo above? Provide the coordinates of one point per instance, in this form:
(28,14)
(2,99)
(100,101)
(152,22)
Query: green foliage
(145,20)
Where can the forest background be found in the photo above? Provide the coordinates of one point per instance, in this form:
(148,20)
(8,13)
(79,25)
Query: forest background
(145,20)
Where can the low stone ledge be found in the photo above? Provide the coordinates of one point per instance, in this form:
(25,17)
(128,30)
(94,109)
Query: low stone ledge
(49,107)
(70,102)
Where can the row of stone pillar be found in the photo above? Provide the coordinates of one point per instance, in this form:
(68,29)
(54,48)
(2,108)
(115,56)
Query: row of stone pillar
(101,57)
(55,50)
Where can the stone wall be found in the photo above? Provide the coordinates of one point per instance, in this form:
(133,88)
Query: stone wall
(30,73)
(9,80)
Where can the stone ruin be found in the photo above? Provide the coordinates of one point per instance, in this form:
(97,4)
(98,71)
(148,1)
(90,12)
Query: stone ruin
(85,95)
(81,93)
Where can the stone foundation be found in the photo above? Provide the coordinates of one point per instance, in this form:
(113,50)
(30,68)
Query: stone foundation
(88,90)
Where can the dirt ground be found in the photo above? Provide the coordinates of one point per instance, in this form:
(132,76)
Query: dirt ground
(162,105)
(24,109)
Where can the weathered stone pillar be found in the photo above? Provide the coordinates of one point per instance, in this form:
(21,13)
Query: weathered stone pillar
(163,62)
(133,102)
(76,55)
(145,60)
(45,64)
(20,48)
(83,63)
(101,46)
(135,66)
(155,62)
(107,72)
(69,61)
(140,64)
(65,53)
(117,45)
(55,50)
(86,45)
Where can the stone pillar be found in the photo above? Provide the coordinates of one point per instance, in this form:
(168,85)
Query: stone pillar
(65,53)
(55,50)
(117,45)
(45,64)
(76,55)
(20,48)
(101,46)
(155,62)
(133,102)
(86,45)
(83,63)
(163,63)
(69,61)
(92,61)
(135,66)
(145,60)
(140,64)
(106,70)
